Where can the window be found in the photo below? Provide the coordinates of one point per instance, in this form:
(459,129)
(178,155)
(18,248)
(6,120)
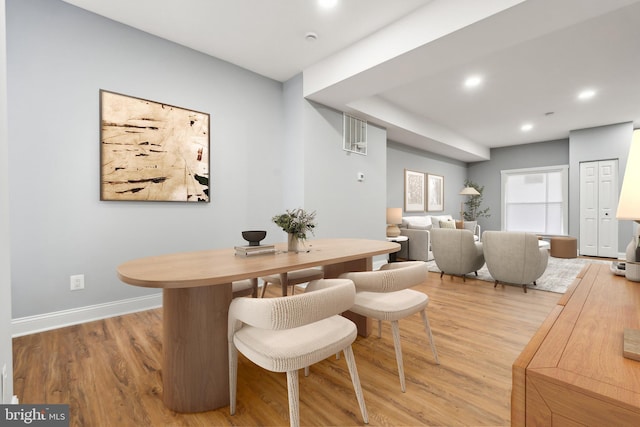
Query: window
(354,134)
(536,200)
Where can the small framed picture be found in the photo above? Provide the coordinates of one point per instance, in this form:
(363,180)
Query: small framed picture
(414,191)
(435,192)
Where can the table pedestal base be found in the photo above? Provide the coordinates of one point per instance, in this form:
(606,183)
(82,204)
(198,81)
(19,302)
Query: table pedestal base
(195,370)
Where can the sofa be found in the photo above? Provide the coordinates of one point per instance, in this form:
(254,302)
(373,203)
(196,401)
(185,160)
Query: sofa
(417,228)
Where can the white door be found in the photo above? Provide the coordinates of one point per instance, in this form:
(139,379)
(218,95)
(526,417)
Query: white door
(598,202)
(607,205)
(589,208)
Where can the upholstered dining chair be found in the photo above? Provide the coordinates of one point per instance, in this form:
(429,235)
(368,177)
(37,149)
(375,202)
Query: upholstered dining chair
(285,334)
(383,295)
(292,278)
(244,288)
(456,252)
(514,257)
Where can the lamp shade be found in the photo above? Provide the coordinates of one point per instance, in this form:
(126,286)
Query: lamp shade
(629,202)
(469,191)
(394,215)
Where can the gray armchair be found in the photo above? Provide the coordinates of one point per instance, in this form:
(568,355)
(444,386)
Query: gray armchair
(418,230)
(456,252)
(514,257)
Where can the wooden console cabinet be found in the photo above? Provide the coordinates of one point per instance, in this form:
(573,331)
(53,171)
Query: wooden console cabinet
(573,371)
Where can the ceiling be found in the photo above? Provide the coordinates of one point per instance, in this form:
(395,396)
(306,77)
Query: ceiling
(402,64)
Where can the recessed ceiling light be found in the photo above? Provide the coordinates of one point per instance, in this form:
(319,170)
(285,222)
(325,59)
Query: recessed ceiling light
(586,94)
(311,36)
(327,4)
(473,81)
(526,127)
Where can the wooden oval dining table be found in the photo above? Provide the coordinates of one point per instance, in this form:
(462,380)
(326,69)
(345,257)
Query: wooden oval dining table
(196,293)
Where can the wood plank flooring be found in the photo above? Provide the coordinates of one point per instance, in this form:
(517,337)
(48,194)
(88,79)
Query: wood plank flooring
(109,371)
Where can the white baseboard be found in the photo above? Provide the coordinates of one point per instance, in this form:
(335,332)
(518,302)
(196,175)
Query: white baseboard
(59,319)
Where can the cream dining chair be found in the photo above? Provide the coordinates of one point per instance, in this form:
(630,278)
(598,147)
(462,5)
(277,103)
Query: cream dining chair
(383,295)
(285,334)
(244,288)
(292,278)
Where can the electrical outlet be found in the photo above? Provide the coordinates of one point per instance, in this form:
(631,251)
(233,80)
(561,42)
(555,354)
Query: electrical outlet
(77,282)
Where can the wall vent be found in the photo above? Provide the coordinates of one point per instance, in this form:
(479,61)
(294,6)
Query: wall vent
(354,134)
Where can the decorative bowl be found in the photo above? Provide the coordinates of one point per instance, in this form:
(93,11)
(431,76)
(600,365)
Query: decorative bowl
(254,236)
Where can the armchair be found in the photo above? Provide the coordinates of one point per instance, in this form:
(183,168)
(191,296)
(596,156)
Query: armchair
(456,252)
(418,230)
(514,257)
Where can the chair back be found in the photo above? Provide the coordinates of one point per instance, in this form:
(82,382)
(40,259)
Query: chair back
(456,251)
(514,257)
(390,278)
(324,298)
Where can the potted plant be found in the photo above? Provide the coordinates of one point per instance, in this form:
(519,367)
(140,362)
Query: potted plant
(473,205)
(297,223)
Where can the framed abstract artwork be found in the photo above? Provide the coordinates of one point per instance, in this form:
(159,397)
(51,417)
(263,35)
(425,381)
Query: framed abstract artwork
(150,151)
(435,192)
(414,191)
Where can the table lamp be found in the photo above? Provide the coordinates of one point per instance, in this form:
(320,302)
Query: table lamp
(629,202)
(394,217)
(466,191)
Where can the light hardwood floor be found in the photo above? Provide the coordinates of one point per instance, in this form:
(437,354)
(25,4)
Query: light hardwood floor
(109,371)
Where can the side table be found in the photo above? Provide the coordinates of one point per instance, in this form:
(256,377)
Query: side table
(393,256)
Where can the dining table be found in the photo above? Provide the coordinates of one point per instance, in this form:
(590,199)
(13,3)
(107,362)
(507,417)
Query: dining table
(196,294)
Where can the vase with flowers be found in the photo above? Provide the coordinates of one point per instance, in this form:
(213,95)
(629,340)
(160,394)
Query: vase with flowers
(297,223)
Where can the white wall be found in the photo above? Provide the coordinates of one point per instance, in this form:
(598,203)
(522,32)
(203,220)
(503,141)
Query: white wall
(5,276)
(59,56)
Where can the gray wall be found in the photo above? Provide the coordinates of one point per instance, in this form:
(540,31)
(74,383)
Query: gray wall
(5,274)
(270,150)
(401,157)
(487,173)
(293,155)
(59,56)
(357,207)
(599,143)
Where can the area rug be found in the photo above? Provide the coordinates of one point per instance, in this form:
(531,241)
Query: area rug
(557,277)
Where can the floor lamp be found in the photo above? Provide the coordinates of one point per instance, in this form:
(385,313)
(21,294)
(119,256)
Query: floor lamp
(629,206)
(466,191)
